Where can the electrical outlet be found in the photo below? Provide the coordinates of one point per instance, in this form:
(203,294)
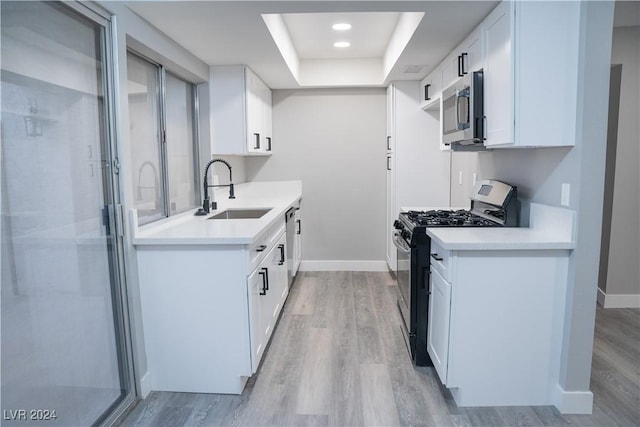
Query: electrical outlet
(564,194)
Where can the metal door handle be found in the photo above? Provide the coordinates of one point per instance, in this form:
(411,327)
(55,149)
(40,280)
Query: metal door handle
(281,247)
(397,244)
(265,284)
(463,56)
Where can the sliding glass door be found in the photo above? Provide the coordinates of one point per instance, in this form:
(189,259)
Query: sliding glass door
(64,352)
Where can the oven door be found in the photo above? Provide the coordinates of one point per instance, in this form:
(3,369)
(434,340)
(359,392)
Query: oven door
(403,276)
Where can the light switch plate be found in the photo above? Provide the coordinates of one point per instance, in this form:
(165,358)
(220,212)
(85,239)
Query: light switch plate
(564,194)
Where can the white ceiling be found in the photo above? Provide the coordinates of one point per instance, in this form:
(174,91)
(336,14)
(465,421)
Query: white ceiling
(313,36)
(233,32)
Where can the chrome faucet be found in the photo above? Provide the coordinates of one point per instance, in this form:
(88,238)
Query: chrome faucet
(207,204)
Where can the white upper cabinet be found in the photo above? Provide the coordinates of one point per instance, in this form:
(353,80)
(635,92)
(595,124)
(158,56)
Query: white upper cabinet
(391,114)
(471,52)
(531,74)
(450,69)
(464,59)
(498,75)
(431,89)
(240,105)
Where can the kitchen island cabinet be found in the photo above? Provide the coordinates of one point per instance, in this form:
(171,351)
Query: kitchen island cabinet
(496,309)
(212,290)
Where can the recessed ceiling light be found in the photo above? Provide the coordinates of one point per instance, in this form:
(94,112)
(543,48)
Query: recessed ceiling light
(342,44)
(343,26)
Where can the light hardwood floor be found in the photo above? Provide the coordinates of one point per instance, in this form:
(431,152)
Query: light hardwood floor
(338,358)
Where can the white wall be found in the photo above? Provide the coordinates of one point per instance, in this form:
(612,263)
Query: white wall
(623,273)
(334,141)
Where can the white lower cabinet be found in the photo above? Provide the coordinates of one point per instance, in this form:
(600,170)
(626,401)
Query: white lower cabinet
(438,329)
(268,290)
(208,311)
(495,324)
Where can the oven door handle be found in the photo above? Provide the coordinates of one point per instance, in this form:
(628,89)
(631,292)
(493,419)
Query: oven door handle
(398,245)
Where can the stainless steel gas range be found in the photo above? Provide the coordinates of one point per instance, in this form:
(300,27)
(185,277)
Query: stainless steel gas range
(493,204)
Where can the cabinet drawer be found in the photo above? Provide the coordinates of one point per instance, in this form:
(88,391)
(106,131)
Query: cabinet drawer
(264,243)
(441,260)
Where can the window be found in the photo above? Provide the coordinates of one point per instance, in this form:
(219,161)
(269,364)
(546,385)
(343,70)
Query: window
(163,140)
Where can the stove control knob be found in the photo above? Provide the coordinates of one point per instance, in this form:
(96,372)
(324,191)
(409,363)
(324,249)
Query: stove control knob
(405,234)
(398,225)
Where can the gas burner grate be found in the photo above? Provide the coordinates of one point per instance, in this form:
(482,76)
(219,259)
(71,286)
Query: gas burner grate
(449,218)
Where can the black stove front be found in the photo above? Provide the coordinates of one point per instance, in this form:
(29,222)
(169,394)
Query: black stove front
(493,204)
(412,272)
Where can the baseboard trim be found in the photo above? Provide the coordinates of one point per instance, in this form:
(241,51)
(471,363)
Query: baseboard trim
(145,385)
(355,265)
(618,300)
(601,297)
(573,402)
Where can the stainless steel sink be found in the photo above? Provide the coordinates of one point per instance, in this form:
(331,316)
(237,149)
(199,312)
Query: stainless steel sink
(240,214)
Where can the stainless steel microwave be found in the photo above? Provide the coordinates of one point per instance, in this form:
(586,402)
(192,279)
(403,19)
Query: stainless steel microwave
(463,111)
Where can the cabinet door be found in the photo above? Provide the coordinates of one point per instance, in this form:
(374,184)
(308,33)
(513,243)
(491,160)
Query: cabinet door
(439,320)
(255,136)
(297,241)
(390,118)
(267,126)
(498,75)
(472,59)
(451,69)
(278,271)
(257,296)
(390,213)
(431,88)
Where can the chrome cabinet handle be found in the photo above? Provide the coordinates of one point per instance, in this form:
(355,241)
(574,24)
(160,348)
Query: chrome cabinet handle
(257,147)
(261,248)
(436,257)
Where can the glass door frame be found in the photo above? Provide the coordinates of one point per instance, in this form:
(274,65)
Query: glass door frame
(124,342)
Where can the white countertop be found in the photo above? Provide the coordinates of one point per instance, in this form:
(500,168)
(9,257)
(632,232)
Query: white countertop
(549,228)
(187,229)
